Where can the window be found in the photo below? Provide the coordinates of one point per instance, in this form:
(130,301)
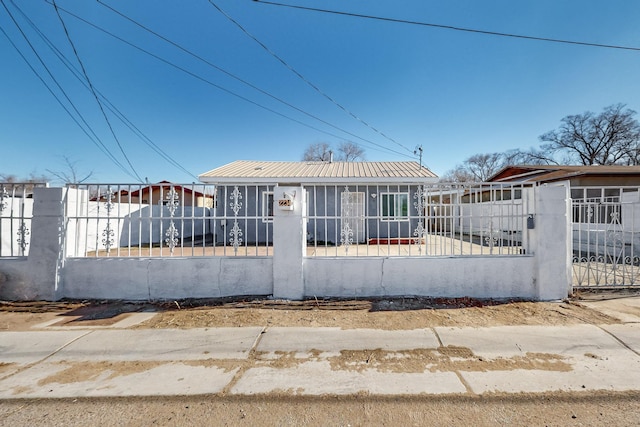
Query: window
(267,206)
(395,206)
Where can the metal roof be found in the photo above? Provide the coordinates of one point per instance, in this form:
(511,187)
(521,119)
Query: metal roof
(252,171)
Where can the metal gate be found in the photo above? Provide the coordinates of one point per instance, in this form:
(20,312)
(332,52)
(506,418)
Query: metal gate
(606,237)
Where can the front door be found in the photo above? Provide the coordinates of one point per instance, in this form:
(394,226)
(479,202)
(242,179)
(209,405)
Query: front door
(352,214)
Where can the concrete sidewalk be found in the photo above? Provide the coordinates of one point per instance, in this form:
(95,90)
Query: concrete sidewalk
(316,361)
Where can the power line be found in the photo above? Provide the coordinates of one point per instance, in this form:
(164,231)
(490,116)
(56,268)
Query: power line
(451,27)
(53,93)
(97,140)
(304,79)
(109,104)
(218,86)
(232,75)
(86,76)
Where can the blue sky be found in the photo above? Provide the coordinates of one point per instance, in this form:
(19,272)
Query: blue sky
(454,93)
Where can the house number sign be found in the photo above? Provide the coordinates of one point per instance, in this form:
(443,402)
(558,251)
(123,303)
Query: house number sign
(285,204)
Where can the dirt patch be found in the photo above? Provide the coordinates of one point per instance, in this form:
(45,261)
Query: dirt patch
(443,359)
(387,314)
(89,371)
(22,316)
(380,313)
(6,367)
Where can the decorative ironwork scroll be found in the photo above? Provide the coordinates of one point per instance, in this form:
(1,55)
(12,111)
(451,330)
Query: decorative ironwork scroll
(108,233)
(346,232)
(108,237)
(420,232)
(3,196)
(236,232)
(172,233)
(23,232)
(491,237)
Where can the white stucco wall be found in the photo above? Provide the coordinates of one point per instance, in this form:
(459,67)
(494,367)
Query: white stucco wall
(166,278)
(478,277)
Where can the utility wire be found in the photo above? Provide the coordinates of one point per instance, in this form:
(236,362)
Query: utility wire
(231,74)
(97,140)
(53,93)
(451,27)
(218,86)
(86,76)
(74,71)
(304,79)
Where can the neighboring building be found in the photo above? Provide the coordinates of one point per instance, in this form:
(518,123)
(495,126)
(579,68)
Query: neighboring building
(375,199)
(598,192)
(156,194)
(577,175)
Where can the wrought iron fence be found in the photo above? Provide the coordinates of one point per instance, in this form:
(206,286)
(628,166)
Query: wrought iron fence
(138,220)
(16,211)
(165,220)
(606,236)
(419,220)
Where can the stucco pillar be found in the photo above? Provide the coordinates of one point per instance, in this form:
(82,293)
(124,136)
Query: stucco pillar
(553,241)
(45,246)
(289,241)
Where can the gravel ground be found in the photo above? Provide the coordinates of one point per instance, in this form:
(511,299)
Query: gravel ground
(557,409)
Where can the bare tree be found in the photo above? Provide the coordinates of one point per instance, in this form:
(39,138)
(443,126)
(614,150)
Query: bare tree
(481,167)
(611,137)
(319,152)
(346,152)
(70,175)
(8,178)
(477,168)
(23,184)
(350,152)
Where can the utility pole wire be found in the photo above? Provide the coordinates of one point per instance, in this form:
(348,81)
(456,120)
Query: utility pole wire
(74,71)
(222,70)
(451,27)
(304,79)
(64,107)
(84,71)
(97,140)
(204,80)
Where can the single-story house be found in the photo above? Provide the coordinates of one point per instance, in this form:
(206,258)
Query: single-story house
(374,200)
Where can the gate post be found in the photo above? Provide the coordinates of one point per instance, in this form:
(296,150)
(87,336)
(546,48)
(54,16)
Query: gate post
(553,241)
(48,233)
(289,241)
